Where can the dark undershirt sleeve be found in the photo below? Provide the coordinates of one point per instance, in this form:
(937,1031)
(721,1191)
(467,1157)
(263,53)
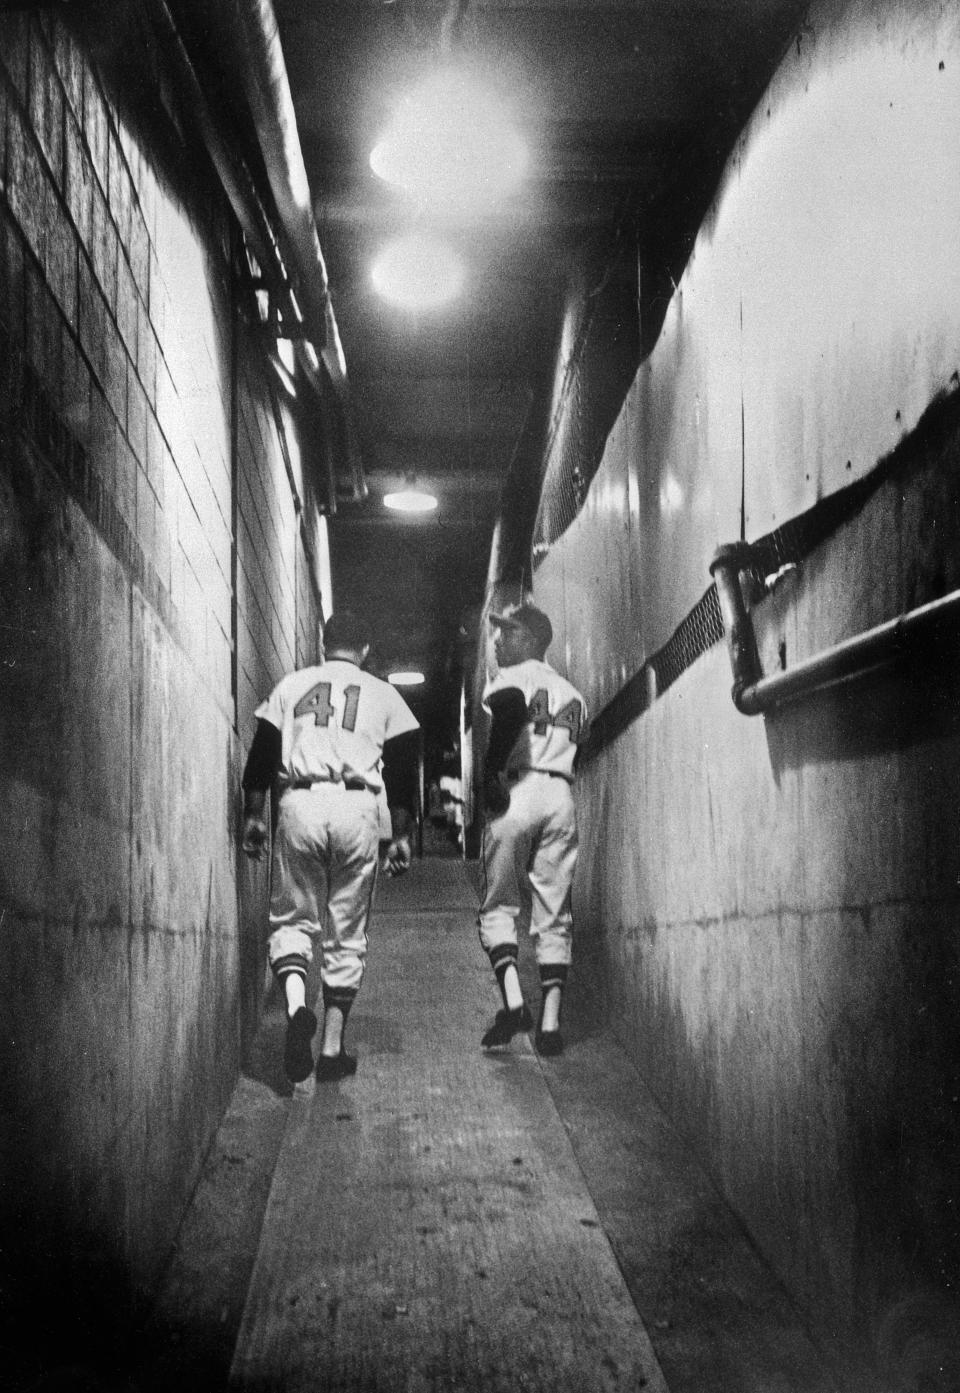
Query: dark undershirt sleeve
(400,755)
(263,761)
(508,708)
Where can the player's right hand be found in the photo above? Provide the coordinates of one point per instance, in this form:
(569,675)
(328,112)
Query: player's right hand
(254,842)
(399,856)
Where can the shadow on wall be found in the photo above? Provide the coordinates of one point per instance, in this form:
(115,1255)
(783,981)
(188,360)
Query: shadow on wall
(74,1323)
(897,711)
(905,1141)
(918,1343)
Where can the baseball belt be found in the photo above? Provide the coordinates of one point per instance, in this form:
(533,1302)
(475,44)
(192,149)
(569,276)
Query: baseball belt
(514,774)
(353,785)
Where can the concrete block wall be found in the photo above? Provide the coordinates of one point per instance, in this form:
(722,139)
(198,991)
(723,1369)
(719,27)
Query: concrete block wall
(774,900)
(280,558)
(149,548)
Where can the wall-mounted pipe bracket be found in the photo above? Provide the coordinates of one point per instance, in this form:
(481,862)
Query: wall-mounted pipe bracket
(729,561)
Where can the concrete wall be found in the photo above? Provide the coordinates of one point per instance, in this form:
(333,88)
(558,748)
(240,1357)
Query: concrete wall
(154,582)
(775,899)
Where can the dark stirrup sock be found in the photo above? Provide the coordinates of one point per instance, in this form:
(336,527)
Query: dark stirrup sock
(342,997)
(553,975)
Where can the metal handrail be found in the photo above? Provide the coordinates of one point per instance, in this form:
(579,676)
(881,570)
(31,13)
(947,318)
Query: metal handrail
(754,694)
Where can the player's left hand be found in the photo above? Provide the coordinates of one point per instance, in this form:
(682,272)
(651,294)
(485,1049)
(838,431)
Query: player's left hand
(399,856)
(254,842)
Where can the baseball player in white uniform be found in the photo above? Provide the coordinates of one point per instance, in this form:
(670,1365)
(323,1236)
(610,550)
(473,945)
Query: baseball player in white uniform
(321,735)
(538,720)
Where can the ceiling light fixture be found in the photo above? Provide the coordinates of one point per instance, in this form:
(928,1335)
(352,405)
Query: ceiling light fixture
(410,499)
(406,679)
(417,272)
(450,142)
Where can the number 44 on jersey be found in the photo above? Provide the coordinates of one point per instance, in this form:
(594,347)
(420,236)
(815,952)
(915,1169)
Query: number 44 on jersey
(538,712)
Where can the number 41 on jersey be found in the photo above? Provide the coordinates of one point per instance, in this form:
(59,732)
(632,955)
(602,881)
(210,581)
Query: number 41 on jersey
(317,703)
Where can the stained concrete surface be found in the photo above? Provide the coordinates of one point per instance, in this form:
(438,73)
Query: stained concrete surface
(388,1194)
(428,1227)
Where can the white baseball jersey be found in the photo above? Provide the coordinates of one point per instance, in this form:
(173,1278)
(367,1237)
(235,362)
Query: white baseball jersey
(556,718)
(334,719)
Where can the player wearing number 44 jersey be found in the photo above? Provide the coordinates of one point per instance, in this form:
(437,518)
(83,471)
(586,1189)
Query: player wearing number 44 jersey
(538,720)
(321,735)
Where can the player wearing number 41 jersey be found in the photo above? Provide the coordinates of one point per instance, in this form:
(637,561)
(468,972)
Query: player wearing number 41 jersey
(321,735)
(538,720)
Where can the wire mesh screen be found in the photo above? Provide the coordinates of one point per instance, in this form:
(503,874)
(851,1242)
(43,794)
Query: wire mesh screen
(596,375)
(700,630)
(574,452)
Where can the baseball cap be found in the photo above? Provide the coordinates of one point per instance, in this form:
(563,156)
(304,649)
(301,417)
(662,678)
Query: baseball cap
(345,629)
(526,617)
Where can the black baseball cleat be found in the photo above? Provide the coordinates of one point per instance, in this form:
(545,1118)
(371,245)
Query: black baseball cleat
(335,1066)
(506,1025)
(297,1055)
(548,1042)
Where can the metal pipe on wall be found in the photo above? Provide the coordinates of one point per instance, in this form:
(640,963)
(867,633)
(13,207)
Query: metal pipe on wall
(754,694)
(234,176)
(276,132)
(267,89)
(240,189)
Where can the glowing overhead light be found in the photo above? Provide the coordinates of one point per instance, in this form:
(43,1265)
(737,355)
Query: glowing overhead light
(450,141)
(417,273)
(410,500)
(406,679)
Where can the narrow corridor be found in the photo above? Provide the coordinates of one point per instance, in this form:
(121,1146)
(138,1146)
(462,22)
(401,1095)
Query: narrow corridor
(451,1219)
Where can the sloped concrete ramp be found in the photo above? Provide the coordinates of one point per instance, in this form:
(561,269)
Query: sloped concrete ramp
(428,1228)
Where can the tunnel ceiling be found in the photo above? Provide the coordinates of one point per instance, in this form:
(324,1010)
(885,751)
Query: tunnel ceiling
(622,105)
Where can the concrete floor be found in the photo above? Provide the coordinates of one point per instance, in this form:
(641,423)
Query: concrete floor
(451,1219)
